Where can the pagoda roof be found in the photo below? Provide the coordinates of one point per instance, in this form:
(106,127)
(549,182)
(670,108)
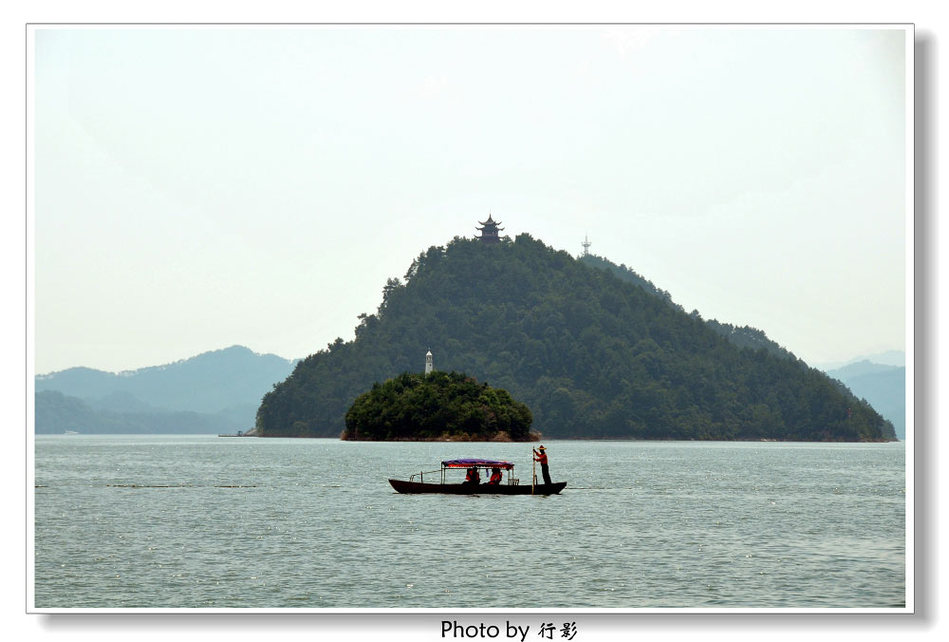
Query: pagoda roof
(490,221)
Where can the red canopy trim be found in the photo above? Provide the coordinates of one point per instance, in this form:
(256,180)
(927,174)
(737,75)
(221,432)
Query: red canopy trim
(477,463)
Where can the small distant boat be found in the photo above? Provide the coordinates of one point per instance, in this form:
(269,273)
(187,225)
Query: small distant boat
(71,432)
(511,487)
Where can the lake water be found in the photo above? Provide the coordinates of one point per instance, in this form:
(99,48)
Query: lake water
(175,521)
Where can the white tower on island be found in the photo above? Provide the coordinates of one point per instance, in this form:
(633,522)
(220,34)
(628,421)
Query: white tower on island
(428,362)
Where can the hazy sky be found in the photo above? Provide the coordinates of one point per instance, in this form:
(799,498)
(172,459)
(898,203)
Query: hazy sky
(197,188)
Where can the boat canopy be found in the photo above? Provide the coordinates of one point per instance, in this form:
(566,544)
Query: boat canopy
(477,463)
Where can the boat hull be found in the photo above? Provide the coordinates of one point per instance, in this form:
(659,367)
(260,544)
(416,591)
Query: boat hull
(480,489)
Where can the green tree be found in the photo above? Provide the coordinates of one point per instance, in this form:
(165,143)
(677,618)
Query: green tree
(441,405)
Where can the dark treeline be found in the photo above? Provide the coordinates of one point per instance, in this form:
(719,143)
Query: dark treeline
(592,354)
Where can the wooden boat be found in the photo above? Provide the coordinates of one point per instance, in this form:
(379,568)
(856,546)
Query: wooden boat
(511,487)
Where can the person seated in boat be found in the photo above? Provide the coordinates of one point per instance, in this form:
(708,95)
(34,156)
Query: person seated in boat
(495,477)
(472,478)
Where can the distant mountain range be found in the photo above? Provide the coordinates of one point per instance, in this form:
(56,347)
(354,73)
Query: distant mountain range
(217,391)
(882,385)
(888,358)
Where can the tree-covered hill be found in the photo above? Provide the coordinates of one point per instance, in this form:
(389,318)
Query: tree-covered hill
(591,354)
(743,337)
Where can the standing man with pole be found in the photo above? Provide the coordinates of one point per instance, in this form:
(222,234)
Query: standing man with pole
(540,456)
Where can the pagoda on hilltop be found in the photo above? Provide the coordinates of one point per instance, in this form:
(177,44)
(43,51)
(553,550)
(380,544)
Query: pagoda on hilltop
(489,231)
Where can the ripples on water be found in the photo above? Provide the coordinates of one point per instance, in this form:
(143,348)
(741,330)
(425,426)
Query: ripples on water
(184,521)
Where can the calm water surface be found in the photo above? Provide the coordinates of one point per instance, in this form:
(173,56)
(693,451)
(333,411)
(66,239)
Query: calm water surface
(200,521)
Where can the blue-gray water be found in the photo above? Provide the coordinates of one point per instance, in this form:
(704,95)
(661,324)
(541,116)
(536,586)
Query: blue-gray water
(201,521)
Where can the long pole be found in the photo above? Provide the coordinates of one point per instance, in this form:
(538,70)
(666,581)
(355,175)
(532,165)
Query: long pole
(533,470)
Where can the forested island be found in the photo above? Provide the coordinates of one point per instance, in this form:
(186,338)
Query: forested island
(440,406)
(591,348)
